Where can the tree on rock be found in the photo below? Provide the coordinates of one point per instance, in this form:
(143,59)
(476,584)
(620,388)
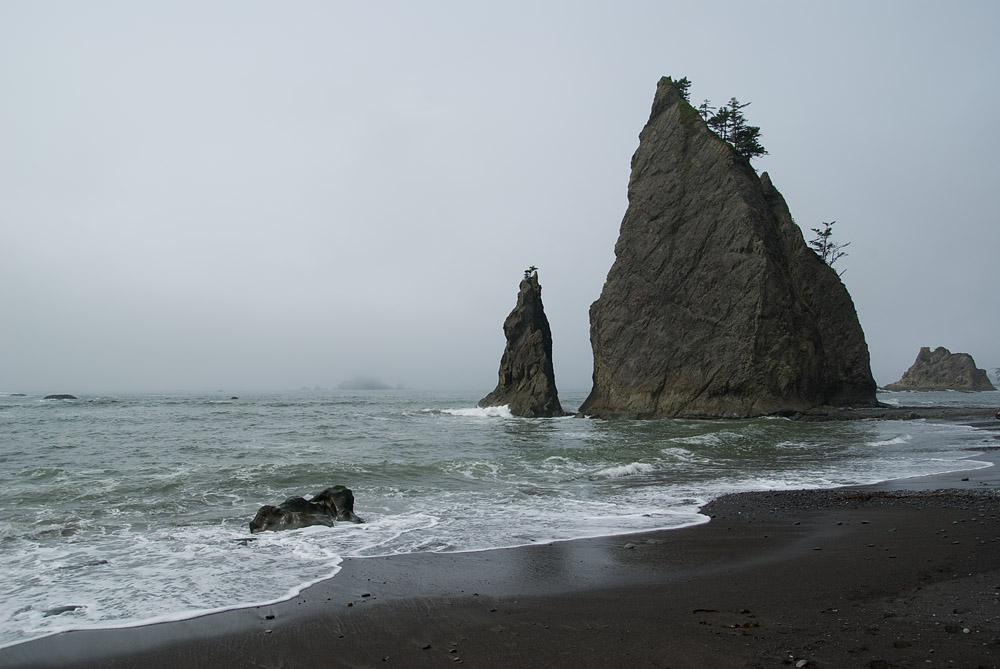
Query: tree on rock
(714,305)
(728,122)
(827,249)
(683,85)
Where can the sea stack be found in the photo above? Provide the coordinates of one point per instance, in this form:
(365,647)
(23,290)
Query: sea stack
(941,369)
(527,383)
(715,306)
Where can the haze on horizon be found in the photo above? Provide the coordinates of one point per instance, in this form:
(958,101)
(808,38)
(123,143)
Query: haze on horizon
(267,196)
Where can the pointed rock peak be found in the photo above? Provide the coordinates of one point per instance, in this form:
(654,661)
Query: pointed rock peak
(667,94)
(527,382)
(714,305)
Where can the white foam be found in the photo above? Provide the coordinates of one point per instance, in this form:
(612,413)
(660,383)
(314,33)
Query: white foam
(792,446)
(718,437)
(475,471)
(710,439)
(630,469)
(481,412)
(894,441)
(683,455)
(169,574)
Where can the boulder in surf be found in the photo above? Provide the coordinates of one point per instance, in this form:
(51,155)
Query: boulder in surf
(325,508)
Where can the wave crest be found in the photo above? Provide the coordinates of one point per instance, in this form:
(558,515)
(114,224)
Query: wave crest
(631,469)
(895,441)
(481,412)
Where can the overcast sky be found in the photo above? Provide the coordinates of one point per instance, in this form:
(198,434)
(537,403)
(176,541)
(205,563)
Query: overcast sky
(261,195)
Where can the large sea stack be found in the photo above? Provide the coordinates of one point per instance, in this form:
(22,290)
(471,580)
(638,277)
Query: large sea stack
(527,383)
(941,369)
(715,306)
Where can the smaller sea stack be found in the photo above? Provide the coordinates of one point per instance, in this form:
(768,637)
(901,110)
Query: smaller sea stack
(527,384)
(941,369)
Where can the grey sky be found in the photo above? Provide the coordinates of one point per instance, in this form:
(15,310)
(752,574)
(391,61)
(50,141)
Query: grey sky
(245,195)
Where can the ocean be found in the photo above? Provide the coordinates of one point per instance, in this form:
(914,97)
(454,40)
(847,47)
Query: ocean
(119,510)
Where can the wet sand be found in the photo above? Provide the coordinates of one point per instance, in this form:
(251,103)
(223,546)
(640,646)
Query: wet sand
(872,576)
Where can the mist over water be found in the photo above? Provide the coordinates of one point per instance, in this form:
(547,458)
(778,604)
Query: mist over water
(117,510)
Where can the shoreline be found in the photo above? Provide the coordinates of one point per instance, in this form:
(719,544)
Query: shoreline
(978,417)
(671,597)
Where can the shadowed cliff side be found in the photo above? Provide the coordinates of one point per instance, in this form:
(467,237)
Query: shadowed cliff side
(527,383)
(715,306)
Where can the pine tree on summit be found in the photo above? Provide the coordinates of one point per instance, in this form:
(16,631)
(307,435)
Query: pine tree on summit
(728,122)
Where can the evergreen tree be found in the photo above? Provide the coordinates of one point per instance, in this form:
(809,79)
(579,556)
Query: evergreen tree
(682,86)
(722,122)
(827,249)
(728,122)
(705,109)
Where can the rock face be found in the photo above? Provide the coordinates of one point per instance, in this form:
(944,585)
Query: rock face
(941,369)
(715,306)
(325,508)
(527,383)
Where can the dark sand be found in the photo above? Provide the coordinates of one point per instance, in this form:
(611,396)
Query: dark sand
(862,577)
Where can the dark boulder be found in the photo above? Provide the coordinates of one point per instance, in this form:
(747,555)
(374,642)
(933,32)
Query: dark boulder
(941,369)
(527,383)
(59,610)
(325,508)
(715,306)
(60,397)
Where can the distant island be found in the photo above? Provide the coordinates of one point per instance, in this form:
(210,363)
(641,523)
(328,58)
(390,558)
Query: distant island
(941,369)
(365,383)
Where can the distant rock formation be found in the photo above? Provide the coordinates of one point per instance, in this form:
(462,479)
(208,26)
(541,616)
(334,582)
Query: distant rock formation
(363,383)
(62,396)
(527,382)
(325,508)
(715,306)
(941,369)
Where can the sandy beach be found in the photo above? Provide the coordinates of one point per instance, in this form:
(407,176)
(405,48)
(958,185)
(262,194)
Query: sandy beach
(903,574)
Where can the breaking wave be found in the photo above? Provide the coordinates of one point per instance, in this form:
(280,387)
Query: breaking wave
(623,470)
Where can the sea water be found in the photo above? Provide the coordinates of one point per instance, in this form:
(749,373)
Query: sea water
(118,510)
